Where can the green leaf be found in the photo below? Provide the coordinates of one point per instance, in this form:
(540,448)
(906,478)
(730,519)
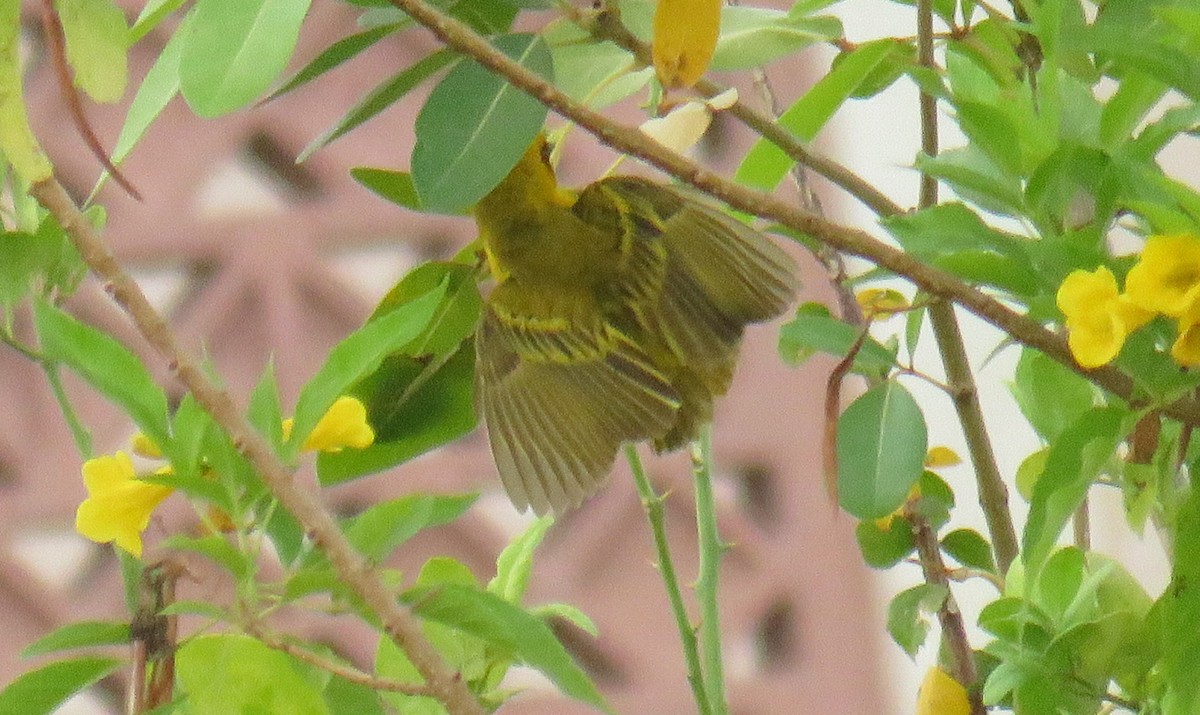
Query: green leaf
(286,534)
(754,37)
(339,52)
(475,126)
(393,663)
(1074,461)
(815,330)
(455,318)
(43,262)
(1059,582)
(381,529)
(408,422)
(159,86)
(83,634)
(595,73)
(152,13)
(107,366)
(1050,396)
(346,698)
(568,613)
(358,355)
(380,98)
(881,444)
(237,674)
(264,411)
(96,40)
(1135,96)
(395,186)
(496,621)
(969,548)
(954,237)
(1140,48)
(41,691)
(884,547)
(516,562)
(765,164)
(235,49)
(905,622)
(204,609)
(215,548)
(976,178)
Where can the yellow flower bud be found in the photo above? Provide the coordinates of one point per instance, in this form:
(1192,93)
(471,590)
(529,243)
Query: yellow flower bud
(941,694)
(685,38)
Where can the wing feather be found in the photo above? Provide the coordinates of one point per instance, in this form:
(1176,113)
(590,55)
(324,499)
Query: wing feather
(555,427)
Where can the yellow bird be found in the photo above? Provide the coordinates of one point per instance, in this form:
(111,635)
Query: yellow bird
(616,317)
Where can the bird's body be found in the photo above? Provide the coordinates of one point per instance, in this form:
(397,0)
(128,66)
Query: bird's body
(617,317)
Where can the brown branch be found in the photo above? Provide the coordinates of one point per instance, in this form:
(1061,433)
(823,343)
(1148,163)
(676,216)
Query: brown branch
(630,140)
(993,493)
(954,632)
(274,640)
(403,628)
(607,25)
(56,43)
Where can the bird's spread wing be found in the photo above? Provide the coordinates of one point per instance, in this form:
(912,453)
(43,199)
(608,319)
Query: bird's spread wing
(747,276)
(714,273)
(559,404)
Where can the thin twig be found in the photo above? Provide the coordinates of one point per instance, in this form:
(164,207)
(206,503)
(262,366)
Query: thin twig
(400,625)
(653,503)
(346,672)
(993,493)
(56,44)
(961,379)
(852,241)
(954,632)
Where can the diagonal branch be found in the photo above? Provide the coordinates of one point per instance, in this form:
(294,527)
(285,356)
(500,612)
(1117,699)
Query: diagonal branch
(403,628)
(630,140)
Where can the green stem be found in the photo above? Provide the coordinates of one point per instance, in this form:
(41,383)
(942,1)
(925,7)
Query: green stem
(687,634)
(83,438)
(711,549)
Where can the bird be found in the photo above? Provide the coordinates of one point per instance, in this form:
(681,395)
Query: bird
(616,316)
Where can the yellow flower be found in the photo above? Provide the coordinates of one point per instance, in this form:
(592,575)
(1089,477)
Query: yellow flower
(1098,318)
(941,694)
(145,447)
(941,456)
(685,38)
(881,302)
(118,505)
(1186,349)
(1166,278)
(343,425)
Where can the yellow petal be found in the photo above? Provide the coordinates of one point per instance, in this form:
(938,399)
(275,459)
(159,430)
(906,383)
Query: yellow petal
(143,446)
(343,425)
(941,456)
(685,37)
(941,694)
(1186,349)
(1166,278)
(882,301)
(1083,290)
(118,506)
(107,472)
(1095,342)
(1098,319)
